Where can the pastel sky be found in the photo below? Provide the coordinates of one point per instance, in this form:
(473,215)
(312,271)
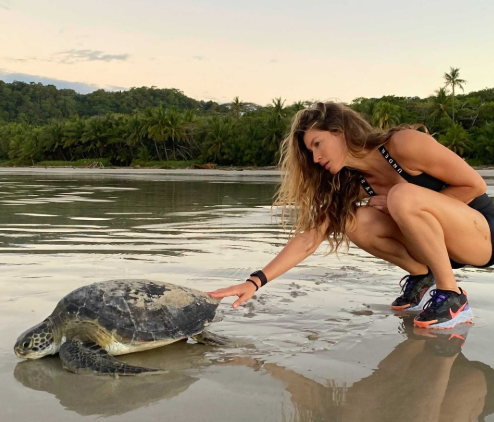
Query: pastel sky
(255,49)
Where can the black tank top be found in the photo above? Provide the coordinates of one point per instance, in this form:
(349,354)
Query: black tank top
(425,180)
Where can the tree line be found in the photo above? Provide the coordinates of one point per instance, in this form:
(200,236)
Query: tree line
(142,125)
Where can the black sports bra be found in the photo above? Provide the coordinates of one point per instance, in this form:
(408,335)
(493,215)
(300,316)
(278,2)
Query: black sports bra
(423,179)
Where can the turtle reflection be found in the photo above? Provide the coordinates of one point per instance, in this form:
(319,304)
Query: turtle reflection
(107,396)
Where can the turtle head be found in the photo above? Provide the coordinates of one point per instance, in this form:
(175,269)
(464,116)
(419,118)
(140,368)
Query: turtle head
(36,342)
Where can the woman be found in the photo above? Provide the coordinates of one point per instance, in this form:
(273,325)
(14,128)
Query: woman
(428,210)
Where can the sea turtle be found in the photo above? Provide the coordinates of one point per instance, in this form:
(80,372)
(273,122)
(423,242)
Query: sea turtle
(96,322)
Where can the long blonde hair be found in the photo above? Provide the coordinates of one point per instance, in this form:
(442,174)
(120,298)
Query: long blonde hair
(310,195)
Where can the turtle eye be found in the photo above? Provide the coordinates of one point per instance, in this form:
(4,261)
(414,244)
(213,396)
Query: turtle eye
(25,344)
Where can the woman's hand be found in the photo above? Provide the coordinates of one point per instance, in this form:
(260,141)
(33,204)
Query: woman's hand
(244,292)
(379,202)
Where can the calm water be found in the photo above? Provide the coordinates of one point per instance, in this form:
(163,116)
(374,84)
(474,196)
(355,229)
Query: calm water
(319,344)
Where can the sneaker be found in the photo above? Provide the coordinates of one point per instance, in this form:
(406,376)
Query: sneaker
(445,309)
(414,290)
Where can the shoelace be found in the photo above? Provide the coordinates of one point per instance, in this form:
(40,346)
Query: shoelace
(407,285)
(437,298)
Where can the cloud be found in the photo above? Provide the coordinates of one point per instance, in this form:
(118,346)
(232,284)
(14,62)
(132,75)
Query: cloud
(26,59)
(80,87)
(5,4)
(200,58)
(75,56)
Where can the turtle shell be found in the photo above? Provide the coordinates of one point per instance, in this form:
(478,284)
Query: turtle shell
(138,310)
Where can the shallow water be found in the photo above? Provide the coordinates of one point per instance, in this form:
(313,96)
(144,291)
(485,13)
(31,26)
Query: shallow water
(320,343)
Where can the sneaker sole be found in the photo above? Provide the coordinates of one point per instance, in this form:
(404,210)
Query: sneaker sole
(465,317)
(400,308)
(460,331)
(420,306)
(425,298)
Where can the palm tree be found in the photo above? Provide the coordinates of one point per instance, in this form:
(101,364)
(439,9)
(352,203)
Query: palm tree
(453,79)
(175,129)
(219,131)
(135,130)
(72,134)
(190,126)
(116,145)
(93,137)
(277,126)
(30,149)
(51,140)
(189,116)
(438,112)
(298,105)
(364,106)
(237,107)
(278,108)
(440,105)
(156,126)
(386,115)
(456,139)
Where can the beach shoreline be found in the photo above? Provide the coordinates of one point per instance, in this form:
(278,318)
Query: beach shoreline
(233,173)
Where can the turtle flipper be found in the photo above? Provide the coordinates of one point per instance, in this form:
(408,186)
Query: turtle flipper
(211,339)
(78,356)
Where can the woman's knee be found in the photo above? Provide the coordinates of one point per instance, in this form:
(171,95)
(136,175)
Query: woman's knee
(402,198)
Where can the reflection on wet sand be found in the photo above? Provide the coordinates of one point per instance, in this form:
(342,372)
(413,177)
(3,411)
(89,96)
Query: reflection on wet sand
(425,378)
(106,396)
(329,316)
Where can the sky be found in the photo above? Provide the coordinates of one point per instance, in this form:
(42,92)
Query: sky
(257,49)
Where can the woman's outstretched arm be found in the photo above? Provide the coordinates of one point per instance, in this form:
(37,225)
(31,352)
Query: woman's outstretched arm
(295,251)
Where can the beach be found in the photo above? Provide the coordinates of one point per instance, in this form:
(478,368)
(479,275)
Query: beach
(320,343)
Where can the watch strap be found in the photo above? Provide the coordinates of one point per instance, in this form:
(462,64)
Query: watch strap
(261,277)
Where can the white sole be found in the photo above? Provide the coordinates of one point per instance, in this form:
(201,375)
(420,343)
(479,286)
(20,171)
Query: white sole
(461,318)
(425,298)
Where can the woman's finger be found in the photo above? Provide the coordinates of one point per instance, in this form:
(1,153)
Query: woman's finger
(243,298)
(237,290)
(378,202)
(221,293)
(244,292)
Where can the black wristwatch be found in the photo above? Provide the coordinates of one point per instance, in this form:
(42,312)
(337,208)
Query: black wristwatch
(261,277)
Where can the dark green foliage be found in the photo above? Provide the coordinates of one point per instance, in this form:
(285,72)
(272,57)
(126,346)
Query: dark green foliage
(35,103)
(145,125)
(456,139)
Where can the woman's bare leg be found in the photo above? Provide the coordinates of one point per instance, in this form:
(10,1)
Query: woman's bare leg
(440,226)
(378,234)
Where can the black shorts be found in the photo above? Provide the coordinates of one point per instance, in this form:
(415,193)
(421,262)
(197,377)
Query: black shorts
(485,206)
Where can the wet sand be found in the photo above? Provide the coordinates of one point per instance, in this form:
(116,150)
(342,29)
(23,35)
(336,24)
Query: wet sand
(319,344)
(172,174)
